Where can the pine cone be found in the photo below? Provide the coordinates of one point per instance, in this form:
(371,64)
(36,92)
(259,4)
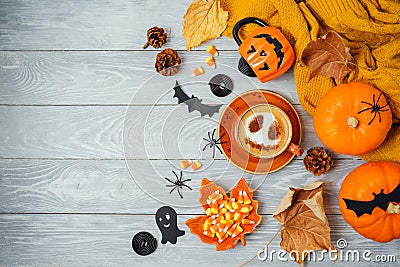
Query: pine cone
(156,37)
(318,161)
(167,62)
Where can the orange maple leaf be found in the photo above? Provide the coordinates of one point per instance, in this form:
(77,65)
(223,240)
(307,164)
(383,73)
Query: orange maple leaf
(206,190)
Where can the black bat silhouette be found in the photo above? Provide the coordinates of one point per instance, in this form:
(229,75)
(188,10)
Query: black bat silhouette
(381,200)
(194,103)
(277,46)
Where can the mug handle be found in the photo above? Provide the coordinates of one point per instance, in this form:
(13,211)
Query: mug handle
(295,149)
(241,23)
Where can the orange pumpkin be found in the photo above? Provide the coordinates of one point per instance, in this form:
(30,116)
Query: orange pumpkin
(369,200)
(352,118)
(266,50)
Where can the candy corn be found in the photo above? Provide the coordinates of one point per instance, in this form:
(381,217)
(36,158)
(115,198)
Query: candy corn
(214,210)
(185,163)
(214,228)
(226,217)
(221,236)
(236,206)
(208,211)
(245,210)
(206,226)
(209,220)
(246,198)
(198,71)
(210,62)
(237,231)
(231,230)
(196,165)
(238,217)
(229,215)
(228,225)
(247,221)
(209,234)
(212,50)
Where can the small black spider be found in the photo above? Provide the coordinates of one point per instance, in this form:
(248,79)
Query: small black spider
(178,184)
(212,142)
(375,108)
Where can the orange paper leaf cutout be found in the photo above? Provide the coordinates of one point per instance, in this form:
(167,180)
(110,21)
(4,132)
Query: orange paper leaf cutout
(228,219)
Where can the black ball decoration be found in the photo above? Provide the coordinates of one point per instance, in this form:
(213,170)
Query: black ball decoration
(221,85)
(143,243)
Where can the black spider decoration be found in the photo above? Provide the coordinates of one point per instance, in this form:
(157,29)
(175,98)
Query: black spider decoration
(212,142)
(178,184)
(375,108)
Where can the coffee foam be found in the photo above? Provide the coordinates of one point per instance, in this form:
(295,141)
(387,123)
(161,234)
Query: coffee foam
(263,131)
(261,137)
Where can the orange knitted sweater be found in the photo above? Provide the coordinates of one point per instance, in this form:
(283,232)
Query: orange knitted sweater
(371,28)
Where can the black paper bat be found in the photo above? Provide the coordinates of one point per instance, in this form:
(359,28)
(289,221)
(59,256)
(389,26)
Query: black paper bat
(380,200)
(194,103)
(277,46)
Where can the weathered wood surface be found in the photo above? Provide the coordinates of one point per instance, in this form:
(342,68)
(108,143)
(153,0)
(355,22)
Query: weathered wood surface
(105,240)
(106,186)
(91,25)
(112,78)
(96,132)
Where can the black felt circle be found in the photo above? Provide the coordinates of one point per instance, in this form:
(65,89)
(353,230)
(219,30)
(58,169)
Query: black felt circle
(143,243)
(221,85)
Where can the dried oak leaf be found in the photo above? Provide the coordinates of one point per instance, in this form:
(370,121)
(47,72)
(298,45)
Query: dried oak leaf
(305,225)
(327,56)
(204,20)
(196,224)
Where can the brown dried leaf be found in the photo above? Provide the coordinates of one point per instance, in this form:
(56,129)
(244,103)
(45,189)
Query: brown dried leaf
(204,20)
(305,225)
(327,56)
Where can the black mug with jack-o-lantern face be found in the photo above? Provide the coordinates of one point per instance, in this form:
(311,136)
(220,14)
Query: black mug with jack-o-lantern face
(266,53)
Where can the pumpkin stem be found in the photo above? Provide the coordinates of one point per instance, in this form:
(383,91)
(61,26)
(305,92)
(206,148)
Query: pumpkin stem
(393,208)
(352,122)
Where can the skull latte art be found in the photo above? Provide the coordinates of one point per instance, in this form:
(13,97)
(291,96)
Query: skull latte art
(263,131)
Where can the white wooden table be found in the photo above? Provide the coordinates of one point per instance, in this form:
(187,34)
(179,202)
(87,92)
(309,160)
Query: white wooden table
(68,71)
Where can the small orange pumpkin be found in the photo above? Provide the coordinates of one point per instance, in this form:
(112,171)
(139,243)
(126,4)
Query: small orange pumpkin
(352,118)
(266,50)
(369,200)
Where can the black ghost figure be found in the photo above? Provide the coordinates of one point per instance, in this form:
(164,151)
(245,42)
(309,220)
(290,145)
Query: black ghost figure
(166,220)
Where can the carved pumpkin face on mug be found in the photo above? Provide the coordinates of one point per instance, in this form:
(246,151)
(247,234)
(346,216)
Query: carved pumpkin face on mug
(266,50)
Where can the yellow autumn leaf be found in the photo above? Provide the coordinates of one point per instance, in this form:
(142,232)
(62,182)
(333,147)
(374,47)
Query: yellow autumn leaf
(204,20)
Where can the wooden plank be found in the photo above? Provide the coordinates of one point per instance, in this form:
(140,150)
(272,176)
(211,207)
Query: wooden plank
(96,132)
(91,25)
(106,186)
(113,78)
(82,240)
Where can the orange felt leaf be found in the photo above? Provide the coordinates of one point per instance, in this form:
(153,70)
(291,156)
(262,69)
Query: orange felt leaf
(208,189)
(327,56)
(305,225)
(196,227)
